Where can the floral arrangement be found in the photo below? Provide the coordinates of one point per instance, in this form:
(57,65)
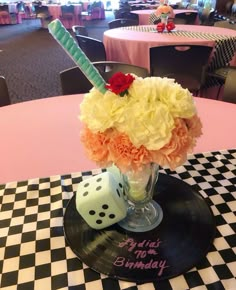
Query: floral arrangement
(163,12)
(139,121)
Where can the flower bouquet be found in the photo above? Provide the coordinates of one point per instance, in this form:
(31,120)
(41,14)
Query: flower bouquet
(139,124)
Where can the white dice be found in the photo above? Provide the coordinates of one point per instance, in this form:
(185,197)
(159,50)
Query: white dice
(100,201)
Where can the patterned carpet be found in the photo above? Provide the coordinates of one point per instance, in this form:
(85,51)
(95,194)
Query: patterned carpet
(30,59)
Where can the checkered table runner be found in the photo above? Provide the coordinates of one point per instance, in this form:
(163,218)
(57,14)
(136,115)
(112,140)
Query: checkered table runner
(34,254)
(224,50)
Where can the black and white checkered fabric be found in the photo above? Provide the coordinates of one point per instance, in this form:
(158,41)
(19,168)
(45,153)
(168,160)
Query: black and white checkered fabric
(34,253)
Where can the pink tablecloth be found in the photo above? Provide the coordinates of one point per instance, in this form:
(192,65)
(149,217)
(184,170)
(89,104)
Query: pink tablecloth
(144,15)
(42,138)
(131,46)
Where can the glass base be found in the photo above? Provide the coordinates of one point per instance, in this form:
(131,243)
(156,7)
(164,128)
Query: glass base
(142,219)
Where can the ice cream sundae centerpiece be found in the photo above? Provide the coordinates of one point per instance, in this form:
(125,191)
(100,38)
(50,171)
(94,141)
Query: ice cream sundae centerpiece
(136,124)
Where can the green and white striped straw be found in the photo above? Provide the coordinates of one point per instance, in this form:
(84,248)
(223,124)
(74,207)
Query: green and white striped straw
(64,38)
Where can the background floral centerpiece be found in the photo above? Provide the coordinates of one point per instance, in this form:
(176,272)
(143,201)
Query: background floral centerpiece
(164,12)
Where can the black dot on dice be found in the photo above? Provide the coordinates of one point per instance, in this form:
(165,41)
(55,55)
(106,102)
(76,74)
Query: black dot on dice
(92,212)
(98,222)
(85,193)
(105,206)
(86,184)
(98,188)
(117,191)
(102,214)
(120,185)
(99,179)
(111,216)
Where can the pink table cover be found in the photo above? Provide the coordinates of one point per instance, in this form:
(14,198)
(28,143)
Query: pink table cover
(144,14)
(42,138)
(132,47)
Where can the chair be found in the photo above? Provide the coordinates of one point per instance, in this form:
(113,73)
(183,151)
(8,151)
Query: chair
(80,30)
(73,81)
(4,93)
(184,63)
(67,13)
(220,75)
(185,18)
(229,94)
(129,15)
(108,68)
(42,12)
(122,22)
(93,48)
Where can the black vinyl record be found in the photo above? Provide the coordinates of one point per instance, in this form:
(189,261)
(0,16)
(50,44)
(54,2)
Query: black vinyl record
(179,243)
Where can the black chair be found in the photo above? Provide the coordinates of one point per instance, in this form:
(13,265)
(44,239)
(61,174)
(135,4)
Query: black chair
(42,12)
(93,48)
(108,68)
(185,18)
(229,94)
(122,22)
(219,76)
(67,13)
(184,63)
(73,81)
(129,15)
(4,93)
(80,30)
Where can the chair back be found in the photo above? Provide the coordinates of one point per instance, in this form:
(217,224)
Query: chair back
(108,68)
(93,48)
(4,93)
(73,81)
(129,15)
(4,8)
(67,9)
(185,63)
(122,22)
(80,30)
(185,18)
(229,94)
(42,11)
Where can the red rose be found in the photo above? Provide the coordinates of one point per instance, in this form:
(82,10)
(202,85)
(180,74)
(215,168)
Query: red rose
(170,26)
(119,83)
(160,27)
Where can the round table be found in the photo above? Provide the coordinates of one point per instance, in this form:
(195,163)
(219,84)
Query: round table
(42,138)
(132,45)
(145,13)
